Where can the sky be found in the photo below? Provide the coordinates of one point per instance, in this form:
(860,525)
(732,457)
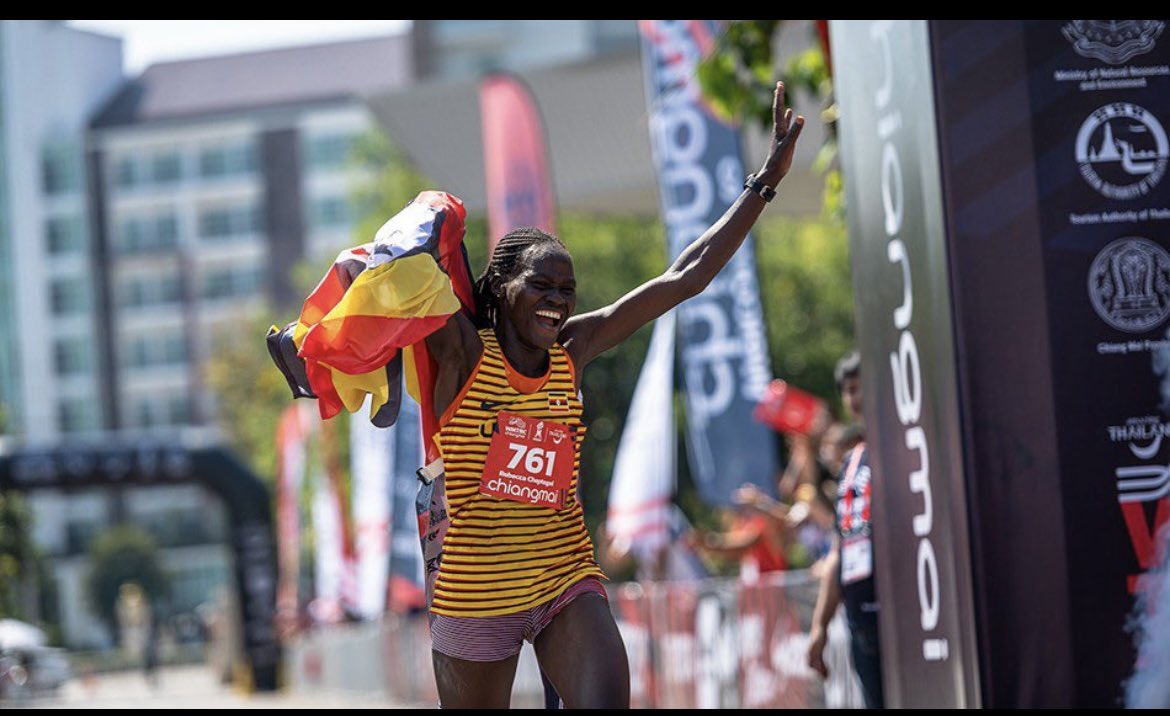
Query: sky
(148,41)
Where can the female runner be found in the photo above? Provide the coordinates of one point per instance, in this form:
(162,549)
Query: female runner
(517,560)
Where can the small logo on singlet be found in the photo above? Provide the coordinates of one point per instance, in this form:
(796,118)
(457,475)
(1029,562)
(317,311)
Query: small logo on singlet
(558,401)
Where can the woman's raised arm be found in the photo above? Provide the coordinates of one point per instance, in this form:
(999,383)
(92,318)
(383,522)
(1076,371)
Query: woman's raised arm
(589,335)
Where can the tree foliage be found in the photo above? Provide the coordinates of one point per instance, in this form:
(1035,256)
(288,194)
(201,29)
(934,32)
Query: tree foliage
(737,79)
(16,552)
(250,393)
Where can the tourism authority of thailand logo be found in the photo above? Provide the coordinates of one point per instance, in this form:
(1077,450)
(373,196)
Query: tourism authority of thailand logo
(1112,41)
(1122,151)
(1129,284)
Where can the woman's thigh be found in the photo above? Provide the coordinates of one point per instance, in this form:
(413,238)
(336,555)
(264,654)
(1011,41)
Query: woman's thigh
(474,684)
(581,652)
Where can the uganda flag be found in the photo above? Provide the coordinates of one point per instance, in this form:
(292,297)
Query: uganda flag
(364,324)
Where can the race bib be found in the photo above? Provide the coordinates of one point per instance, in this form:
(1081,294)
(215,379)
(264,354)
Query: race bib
(856,559)
(530,460)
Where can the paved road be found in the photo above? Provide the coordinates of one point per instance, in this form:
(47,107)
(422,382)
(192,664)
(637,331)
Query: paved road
(190,687)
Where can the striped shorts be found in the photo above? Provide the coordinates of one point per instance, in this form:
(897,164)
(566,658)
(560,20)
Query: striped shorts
(498,638)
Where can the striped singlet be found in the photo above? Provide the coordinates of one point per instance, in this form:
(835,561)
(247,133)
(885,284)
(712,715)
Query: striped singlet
(499,556)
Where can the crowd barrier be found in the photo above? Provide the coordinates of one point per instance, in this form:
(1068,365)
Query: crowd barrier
(716,643)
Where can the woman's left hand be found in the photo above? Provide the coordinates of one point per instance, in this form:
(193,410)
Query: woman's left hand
(785,131)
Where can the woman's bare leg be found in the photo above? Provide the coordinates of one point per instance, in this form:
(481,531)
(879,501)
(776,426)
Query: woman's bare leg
(582,653)
(474,684)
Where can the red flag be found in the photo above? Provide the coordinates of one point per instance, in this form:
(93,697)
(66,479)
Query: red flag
(519,187)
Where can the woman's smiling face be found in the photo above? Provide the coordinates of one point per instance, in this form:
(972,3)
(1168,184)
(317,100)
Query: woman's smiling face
(542,296)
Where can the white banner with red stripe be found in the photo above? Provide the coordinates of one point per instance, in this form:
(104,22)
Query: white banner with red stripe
(644,469)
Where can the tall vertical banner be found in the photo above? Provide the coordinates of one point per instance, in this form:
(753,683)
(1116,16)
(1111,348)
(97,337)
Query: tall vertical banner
(384,460)
(1100,92)
(292,436)
(519,187)
(371,455)
(644,470)
(721,337)
(1008,214)
(329,560)
(405,585)
(889,151)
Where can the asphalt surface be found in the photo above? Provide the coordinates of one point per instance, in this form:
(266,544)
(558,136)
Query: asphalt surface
(187,687)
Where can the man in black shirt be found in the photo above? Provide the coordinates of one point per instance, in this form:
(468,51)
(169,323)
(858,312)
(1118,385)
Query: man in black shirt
(848,575)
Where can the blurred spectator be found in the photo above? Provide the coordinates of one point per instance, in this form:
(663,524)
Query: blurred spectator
(150,649)
(757,541)
(134,617)
(839,439)
(652,560)
(848,575)
(808,483)
(222,633)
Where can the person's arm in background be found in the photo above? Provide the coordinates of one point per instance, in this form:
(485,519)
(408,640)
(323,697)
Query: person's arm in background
(732,545)
(802,465)
(748,495)
(828,599)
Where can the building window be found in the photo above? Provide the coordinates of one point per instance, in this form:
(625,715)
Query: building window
(140,169)
(69,296)
(227,161)
(65,234)
(329,213)
(232,282)
(330,151)
(177,411)
(61,167)
(126,173)
(76,415)
(144,414)
(79,535)
(160,410)
(72,356)
(174,349)
(154,349)
(159,232)
(166,168)
(144,291)
(226,222)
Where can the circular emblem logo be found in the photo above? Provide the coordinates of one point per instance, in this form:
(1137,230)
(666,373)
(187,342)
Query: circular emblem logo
(1113,41)
(1122,151)
(1129,284)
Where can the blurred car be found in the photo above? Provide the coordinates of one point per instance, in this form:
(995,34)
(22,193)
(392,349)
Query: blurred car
(50,668)
(32,670)
(13,676)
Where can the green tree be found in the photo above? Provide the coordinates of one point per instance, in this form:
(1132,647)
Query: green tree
(250,393)
(737,79)
(120,555)
(17,554)
(806,291)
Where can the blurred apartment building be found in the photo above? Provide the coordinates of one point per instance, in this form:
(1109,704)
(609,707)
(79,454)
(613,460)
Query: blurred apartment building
(142,216)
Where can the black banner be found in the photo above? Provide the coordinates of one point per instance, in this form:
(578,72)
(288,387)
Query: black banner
(1051,250)
(1058,158)
(889,153)
(721,341)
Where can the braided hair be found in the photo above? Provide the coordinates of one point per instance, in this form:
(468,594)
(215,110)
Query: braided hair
(503,267)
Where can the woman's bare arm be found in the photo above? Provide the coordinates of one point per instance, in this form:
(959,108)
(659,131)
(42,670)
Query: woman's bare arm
(591,334)
(456,348)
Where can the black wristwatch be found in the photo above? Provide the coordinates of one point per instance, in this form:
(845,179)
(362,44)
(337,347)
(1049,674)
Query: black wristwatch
(766,192)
